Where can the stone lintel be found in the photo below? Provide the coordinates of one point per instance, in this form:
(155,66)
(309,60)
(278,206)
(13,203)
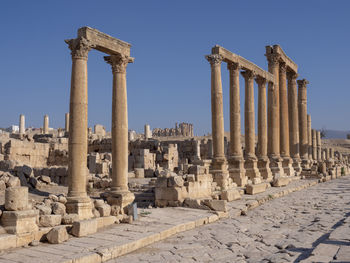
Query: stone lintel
(276,49)
(243,63)
(104,43)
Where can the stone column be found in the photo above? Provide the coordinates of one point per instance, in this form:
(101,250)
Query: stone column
(314,144)
(309,135)
(273,147)
(236,162)
(66,126)
(22,125)
(46,125)
(319,145)
(252,171)
(147,131)
(197,149)
(284,122)
(263,160)
(219,163)
(119,194)
(77,201)
(293,121)
(302,103)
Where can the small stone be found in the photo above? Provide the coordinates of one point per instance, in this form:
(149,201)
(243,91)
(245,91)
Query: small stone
(57,235)
(13,182)
(96,213)
(46,179)
(99,202)
(69,219)
(34,243)
(53,197)
(44,209)
(58,208)
(62,199)
(104,210)
(50,220)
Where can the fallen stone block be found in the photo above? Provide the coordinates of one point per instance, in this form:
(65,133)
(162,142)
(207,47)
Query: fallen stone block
(58,208)
(69,219)
(50,220)
(19,222)
(104,210)
(230,195)
(253,189)
(84,227)
(216,205)
(57,235)
(280,181)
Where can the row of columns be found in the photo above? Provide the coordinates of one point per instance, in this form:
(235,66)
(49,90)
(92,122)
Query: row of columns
(78,201)
(282,126)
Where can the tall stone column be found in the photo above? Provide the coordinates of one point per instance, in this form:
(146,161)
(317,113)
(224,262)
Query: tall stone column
(273,146)
(119,194)
(46,125)
(236,161)
(284,122)
(22,125)
(319,145)
(293,121)
(263,160)
(314,144)
(219,163)
(77,201)
(309,135)
(302,103)
(66,126)
(250,164)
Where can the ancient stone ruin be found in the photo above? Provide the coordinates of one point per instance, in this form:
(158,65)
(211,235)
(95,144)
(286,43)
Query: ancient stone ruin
(77,180)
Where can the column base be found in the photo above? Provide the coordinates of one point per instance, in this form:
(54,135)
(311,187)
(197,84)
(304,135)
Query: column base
(287,165)
(276,166)
(81,206)
(297,166)
(121,198)
(264,168)
(252,171)
(237,171)
(305,164)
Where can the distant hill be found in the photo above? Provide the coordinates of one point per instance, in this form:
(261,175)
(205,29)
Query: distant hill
(332,134)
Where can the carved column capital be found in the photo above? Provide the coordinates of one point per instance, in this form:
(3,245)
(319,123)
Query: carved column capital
(233,66)
(79,47)
(261,81)
(118,62)
(302,83)
(248,74)
(292,76)
(283,68)
(214,59)
(274,59)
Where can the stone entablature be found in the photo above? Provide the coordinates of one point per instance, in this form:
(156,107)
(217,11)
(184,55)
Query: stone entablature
(277,50)
(245,64)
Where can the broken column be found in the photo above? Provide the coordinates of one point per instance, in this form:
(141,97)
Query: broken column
(309,135)
(219,164)
(319,145)
(263,160)
(18,217)
(66,126)
(302,107)
(46,125)
(77,201)
(22,125)
(236,162)
(119,194)
(250,165)
(293,121)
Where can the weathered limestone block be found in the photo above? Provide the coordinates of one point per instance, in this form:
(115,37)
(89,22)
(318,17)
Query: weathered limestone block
(19,222)
(58,208)
(104,210)
(280,181)
(16,198)
(230,195)
(13,182)
(50,220)
(57,235)
(253,189)
(216,205)
(69,219)
(175,181)
(195,203)
(171,194)
(139,172)
(44,209)
(84,228)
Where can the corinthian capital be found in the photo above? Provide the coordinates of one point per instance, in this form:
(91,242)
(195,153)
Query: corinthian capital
(79,47)
(292,76)
(283,68)
(214,59)
(118,62)
(261,81)
(248,74)
(302,83)
(273,59)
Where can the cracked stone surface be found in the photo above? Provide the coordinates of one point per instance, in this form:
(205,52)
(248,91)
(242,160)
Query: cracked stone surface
(311,225)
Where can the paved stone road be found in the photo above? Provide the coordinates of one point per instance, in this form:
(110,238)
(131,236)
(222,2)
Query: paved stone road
(311,225)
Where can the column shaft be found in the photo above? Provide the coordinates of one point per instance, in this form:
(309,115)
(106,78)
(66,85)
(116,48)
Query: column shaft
(66,126)
(262,119)
(309,135)
(302,103)
(22,124)
(284,124)
(293,116)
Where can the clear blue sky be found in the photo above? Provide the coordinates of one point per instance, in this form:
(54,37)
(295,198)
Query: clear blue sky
(170,79)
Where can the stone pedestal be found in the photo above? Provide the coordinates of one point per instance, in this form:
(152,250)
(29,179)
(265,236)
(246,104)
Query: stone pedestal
(121,199)
(287,164)
(20,222)
(276,166)
(81,206)
(237,171)
(264,168)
